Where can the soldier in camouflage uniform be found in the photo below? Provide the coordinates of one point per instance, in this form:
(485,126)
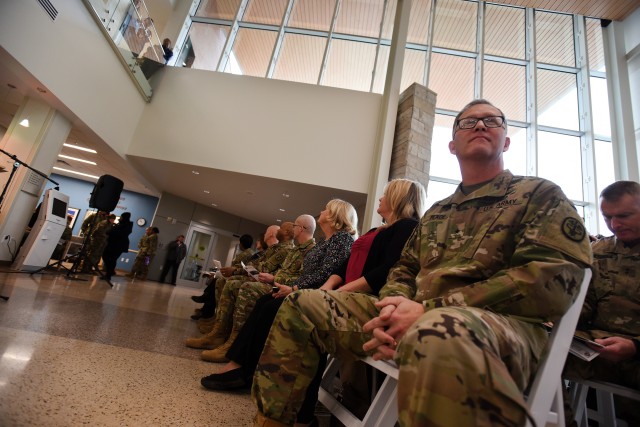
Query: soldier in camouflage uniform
(233,317)
(461,311)
(611,312)
(147,247)
(208,296)
(97,243)
(91,221)
(227,302)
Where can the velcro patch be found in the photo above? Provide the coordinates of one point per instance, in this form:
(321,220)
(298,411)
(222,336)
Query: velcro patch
(573,229)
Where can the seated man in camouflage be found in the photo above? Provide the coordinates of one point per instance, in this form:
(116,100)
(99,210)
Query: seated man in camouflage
(245,255)
(611,312)
(238,302)
(227,300)
(239,273)
(461,311)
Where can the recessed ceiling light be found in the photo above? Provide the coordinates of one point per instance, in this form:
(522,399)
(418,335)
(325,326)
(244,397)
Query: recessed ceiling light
(24,122)
(207,191)
(195,172)
(77,159)
(214,205)
(278,220)
(285,195)
(77,147)
(74,172)
(281,210)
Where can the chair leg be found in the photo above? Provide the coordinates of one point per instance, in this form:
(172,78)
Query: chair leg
(606,408)
(579,403)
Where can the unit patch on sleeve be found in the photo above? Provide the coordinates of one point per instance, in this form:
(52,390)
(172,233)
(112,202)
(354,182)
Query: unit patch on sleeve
(573,229)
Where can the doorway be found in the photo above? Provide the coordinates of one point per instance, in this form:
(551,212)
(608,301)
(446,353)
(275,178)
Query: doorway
(200,241)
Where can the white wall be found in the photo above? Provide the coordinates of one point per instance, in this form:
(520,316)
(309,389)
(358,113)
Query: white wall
(273,128)
(73,59)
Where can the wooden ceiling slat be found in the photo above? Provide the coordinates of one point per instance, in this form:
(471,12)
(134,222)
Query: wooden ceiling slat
(615,10)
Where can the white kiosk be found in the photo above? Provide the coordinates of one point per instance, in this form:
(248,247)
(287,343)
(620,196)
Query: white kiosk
(45,233)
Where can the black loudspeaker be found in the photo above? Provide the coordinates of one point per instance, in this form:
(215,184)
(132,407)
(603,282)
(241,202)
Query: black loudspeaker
(106,193)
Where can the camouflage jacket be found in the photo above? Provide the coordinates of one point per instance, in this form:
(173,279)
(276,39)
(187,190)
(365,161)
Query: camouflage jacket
(148,245)
(248,257)
(273,261)
(514,246)
(241,257)
(612,306)
(99,232)
(292,265)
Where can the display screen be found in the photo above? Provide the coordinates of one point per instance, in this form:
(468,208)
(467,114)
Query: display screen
(59,208)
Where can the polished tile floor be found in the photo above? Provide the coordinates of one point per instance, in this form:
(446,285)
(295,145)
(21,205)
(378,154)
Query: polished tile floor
(76,353)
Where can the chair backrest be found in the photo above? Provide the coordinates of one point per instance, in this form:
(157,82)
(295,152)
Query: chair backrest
(547,382)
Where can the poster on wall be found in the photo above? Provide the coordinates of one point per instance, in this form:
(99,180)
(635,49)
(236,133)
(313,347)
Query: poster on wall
(73,212)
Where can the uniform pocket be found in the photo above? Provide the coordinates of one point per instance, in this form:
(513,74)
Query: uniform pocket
(484,243)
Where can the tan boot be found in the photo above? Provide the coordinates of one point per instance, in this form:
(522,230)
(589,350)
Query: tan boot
(219,354)
(261,421)
(205,325)
(213,339)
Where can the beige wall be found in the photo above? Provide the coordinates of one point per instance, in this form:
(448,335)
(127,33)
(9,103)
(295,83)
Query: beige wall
(73,59)
(272,128)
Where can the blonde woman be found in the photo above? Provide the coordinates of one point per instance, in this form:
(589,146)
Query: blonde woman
(372,255)
(338,222)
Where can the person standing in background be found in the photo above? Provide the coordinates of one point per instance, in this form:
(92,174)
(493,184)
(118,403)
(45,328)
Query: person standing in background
(176,251)
(147,247)
(117,243)
(166,49)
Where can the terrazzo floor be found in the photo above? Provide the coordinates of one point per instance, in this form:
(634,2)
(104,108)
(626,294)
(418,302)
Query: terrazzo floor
(75,353)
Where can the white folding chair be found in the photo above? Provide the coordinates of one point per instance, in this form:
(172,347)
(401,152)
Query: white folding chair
(605,414)
(544,399)
(383,411)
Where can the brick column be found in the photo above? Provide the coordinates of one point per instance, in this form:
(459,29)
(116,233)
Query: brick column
(411,154)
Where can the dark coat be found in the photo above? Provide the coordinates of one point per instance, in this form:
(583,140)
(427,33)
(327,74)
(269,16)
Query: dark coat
(118,241)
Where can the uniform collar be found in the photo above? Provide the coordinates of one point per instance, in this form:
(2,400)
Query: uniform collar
(304,245)
(497,187)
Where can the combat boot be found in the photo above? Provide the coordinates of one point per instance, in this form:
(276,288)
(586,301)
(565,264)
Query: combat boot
(206,327)
(213,339)
(219,354)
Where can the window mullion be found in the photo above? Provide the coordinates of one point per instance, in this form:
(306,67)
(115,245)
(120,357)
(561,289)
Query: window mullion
(375,60)
(532,109)
(479,65)
(226,52)
(587,143)
(427,57)
(327,47)
(276,49)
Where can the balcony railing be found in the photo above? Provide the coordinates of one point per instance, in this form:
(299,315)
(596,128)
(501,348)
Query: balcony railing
(132,35)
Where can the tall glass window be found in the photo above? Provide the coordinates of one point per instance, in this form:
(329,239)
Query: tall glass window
(346,43)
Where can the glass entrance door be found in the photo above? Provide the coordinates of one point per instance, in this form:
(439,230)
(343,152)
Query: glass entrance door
(200,241)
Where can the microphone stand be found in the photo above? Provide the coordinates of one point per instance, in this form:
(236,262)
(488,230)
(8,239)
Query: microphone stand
(16,163)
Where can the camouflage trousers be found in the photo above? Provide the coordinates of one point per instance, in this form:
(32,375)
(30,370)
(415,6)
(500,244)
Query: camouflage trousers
(458,366)
(140,269)
(94,252)
(236,301)
(221,283)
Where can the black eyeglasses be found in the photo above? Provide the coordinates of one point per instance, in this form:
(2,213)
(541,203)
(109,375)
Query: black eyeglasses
(301,226)
(490,122)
